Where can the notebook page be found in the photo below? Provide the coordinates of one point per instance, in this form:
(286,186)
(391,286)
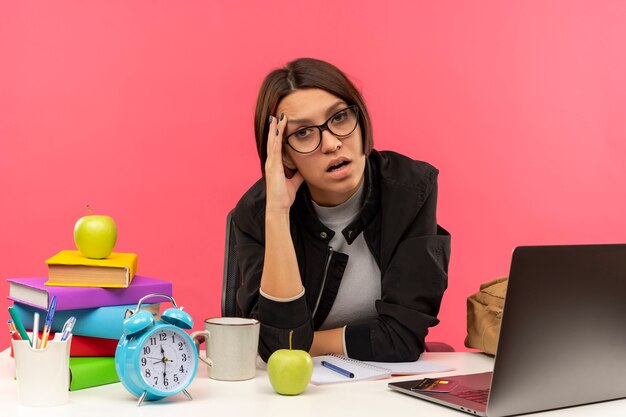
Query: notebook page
(420,366)
(362,371)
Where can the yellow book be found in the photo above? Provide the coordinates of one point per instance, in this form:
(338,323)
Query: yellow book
(69,268)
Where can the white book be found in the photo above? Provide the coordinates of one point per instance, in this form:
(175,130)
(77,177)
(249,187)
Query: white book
(366,370)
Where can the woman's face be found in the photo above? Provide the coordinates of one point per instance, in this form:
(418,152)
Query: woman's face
(335,170)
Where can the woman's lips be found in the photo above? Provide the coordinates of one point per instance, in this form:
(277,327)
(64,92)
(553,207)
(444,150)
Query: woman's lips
(337,161)
(342,171)
(337,166)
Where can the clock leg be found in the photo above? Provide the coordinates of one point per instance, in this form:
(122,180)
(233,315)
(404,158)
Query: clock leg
(187,394)
(143,397)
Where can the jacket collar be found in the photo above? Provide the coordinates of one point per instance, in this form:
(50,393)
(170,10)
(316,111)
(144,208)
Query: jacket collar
(371,203)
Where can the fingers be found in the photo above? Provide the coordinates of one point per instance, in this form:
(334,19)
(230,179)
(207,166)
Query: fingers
(270,136)
(282,124)
(275,140)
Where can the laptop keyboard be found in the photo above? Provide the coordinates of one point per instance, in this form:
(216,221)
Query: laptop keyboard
(480,396)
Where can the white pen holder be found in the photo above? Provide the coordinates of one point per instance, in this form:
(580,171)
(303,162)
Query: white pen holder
(43,375)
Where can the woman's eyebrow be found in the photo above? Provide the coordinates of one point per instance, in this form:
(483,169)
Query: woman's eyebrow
(329,112)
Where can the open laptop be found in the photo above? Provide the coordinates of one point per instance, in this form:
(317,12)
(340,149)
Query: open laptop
(562,340)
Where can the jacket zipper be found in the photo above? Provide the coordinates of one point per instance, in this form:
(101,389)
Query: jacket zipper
(319,297)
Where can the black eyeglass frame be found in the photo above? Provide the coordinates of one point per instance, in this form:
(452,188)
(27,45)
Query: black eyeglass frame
(324,126)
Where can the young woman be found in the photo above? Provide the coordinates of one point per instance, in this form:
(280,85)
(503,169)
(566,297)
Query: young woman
(337,242)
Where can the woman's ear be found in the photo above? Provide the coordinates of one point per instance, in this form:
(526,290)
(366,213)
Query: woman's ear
(288,162)
(289,166)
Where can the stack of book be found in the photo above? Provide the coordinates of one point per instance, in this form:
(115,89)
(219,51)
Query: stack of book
(95,291)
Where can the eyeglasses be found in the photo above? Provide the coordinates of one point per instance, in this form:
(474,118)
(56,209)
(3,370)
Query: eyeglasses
(340,124)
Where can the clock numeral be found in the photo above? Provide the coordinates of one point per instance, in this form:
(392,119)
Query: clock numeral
(176,377)
(146,350)
(173,341)
(184,357)
(180,345)
(147,373)
(165,382)
(182,369)
(153,341)
(144,362)
(162,337)
(156,380)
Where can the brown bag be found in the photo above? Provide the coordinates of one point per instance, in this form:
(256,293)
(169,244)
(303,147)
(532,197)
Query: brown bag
(484,316)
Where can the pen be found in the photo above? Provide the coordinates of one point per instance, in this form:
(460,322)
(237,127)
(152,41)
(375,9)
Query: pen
(67,328)
(13,331)
(337,369)
(48,325)
(19,326)
(36,344)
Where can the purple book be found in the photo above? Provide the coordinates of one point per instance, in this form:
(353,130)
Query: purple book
(33,292)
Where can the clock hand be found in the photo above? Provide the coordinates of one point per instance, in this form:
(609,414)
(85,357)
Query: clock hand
(163,359)
(164,363)
(158,360)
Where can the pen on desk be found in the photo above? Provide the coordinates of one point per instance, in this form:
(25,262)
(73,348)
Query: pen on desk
(337,369)
(48,325)
(19,326)
(36,344)
(67,328)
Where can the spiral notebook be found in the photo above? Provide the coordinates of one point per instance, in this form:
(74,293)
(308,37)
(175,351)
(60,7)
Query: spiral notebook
(363,370)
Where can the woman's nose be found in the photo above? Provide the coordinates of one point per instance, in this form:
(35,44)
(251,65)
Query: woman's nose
(330,143)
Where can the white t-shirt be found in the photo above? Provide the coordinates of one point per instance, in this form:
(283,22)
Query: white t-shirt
(360,284)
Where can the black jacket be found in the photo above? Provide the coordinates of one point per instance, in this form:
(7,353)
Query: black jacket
(398,218)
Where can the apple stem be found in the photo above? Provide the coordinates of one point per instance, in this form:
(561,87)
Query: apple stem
(290,336)
(90,209)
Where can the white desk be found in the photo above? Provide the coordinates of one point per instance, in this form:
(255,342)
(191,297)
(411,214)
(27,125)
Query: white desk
(256,398)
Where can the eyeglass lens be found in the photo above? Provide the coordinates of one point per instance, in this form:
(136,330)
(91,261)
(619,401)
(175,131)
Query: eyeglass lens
(340,124)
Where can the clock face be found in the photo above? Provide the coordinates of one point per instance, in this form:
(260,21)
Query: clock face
(167,360)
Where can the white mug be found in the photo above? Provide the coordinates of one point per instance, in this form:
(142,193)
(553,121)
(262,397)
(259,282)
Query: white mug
(231,347)
(43,375)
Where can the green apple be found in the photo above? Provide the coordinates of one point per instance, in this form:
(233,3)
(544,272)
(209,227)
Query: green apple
(95,236)
(290,370)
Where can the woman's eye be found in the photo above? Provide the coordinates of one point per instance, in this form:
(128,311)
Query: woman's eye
(339,117)
(302,133)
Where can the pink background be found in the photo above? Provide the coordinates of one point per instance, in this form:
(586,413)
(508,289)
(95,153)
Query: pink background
(144,110)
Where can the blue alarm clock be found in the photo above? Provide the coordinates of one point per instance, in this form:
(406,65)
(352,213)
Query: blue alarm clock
(156,358)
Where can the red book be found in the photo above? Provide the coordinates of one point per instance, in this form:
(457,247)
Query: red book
(92,346)
(88,346)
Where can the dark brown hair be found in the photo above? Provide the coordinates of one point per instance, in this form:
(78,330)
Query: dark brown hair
(306,73)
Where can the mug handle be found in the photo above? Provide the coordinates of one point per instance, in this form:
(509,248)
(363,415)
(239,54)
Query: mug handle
(204,335)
